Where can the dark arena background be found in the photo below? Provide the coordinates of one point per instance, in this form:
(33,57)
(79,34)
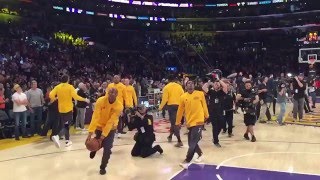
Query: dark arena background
(143,85)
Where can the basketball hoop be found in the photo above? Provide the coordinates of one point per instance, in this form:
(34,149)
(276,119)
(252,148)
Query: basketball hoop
(312,59)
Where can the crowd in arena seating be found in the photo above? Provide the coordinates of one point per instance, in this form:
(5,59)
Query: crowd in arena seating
(142,56)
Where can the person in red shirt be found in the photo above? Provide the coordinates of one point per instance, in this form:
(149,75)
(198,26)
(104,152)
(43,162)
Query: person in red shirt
(2,100)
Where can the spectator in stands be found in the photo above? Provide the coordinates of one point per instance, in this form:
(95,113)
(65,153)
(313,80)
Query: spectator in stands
(2,100)
(81,107)
(20,102)
(36,100)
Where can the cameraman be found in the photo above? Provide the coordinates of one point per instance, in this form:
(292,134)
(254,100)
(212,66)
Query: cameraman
(249,100)
(216,97)
(281,100)
(145,136)
(298,87)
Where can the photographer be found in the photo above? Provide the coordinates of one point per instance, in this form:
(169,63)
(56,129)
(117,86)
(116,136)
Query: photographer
(298,87)
(216,97)
(145,136)
(249,100)
(281,100)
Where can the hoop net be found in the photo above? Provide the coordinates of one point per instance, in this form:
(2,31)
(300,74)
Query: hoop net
(312,58)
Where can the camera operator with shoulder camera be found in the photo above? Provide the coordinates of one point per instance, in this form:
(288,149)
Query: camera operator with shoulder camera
(216,109)
(249,100)
(281,100)
(298,87)
(145,136)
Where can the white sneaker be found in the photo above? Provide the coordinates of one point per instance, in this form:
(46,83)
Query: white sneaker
(56,141)
(199,159)
(84,129)
(68,143)
(78,128)
(185,165)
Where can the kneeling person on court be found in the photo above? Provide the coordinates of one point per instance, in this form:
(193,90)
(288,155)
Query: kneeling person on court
(145,136)
(104,123)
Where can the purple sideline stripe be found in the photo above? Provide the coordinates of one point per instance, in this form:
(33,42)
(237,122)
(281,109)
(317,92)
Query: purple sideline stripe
(208,172)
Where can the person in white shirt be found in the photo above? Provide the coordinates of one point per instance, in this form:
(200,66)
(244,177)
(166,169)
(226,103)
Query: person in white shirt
(20,102)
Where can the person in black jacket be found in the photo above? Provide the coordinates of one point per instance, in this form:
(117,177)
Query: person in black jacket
(81,107)
(228,103)
(145,136)
(52,116)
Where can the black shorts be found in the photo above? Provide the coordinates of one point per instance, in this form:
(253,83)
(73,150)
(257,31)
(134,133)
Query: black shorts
(66,117)
(250,120)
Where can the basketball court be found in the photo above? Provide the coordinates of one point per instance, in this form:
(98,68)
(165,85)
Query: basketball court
(281,152)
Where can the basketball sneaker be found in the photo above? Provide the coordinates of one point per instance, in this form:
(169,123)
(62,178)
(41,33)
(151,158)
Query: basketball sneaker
(217,145)
(158,148)
(185,164)
(253,139)
(103,171)
(246,136)
(92,154)
(179,144)
(199,158)
(56,141)
(68,143)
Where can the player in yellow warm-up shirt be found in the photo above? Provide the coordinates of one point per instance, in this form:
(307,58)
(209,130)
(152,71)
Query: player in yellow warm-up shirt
(104,123)
(171,97)
(64,92)
(131,97)
(194,107)
(122,98)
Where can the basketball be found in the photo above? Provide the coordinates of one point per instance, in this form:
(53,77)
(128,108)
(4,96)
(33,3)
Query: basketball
(93,144)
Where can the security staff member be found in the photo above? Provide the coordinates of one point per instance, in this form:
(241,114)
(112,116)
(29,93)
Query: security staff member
(104,123)
(228,103)
(145,136)
(170,97)
(249,102)
(194,106)
(215,107)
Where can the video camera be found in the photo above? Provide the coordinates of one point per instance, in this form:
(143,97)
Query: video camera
(248,106)
(290,78)
(132,111)
(214,75)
